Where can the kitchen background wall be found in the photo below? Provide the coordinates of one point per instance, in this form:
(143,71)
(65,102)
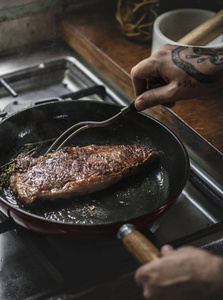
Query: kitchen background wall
(26,22)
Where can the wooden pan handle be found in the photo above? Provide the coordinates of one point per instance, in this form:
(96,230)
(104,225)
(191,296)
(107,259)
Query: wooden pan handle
(137,244)
(206,32)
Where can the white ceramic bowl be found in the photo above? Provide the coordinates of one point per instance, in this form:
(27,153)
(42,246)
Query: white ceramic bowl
(169,27)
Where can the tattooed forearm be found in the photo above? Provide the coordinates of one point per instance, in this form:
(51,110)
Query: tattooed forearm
(214,56)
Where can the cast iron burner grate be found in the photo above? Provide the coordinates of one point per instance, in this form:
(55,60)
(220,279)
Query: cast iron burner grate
(85,92)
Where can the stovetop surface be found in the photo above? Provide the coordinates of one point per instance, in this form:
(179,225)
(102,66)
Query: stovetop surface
(33,266)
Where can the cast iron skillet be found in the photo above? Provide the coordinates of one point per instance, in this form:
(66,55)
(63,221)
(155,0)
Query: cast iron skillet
(139,199)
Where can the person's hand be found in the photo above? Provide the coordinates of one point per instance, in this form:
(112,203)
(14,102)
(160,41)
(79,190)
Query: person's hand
(189,72)
(188,273)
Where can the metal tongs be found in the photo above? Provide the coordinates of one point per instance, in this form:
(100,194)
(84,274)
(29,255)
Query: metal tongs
(124,112)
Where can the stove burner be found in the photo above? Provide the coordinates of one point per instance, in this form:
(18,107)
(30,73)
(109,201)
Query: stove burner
(97,89)
(15,106)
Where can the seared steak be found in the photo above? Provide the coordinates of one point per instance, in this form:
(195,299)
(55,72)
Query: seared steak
(76,170)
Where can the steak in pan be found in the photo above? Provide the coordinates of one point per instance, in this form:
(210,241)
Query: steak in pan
(76,170)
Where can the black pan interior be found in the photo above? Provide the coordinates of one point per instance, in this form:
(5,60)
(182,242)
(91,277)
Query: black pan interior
(141,194)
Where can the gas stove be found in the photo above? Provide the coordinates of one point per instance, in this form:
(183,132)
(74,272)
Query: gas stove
(33,266)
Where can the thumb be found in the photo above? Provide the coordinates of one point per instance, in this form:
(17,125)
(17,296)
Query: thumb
(166,250)
(155,96)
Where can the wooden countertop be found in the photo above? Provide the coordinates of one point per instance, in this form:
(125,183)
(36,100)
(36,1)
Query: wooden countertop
(93,32)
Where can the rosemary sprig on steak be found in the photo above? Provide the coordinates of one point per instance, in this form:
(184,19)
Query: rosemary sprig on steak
(7,169)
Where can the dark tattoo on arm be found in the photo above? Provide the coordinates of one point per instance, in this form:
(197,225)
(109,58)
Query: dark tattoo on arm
(214,55)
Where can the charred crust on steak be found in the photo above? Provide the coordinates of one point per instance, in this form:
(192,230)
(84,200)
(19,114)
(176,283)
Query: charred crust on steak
(76,170)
